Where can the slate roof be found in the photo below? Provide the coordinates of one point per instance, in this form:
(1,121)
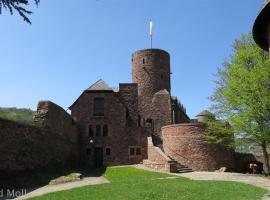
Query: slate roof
(99,85)
(205,113)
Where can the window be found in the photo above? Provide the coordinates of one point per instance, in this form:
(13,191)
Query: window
(90,131)
(89,151)
(135,151)
(108,151)
(99,107)
(138,151)
(132,151)
(98,130)
(139,120)
(105,130)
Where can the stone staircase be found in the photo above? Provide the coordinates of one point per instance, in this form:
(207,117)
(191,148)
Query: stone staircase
(179,168)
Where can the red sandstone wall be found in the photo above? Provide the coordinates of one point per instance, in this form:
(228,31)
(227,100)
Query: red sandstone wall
(157,159)
(120,136)
(129,93)
(151,71)
(52,144)
(161,111)
(185,143)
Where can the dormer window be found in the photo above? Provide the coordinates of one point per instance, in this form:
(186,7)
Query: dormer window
(99,107)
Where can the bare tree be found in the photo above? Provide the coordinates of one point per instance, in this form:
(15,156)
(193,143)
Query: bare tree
(17,5)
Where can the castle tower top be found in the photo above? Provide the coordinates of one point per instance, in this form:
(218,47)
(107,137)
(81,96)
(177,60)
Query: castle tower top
(151,71)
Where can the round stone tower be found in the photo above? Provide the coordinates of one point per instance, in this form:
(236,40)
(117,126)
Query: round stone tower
(151,71)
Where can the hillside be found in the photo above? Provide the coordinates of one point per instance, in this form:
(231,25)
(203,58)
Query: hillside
(21,115)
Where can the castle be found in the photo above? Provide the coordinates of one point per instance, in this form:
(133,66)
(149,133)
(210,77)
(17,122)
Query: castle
(139,122)
(142,122)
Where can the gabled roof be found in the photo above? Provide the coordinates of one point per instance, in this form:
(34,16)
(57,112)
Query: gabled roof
(99,85)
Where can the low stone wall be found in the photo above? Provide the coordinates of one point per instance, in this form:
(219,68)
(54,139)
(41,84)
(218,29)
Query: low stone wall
(157,159)
(185,143)
(46,145)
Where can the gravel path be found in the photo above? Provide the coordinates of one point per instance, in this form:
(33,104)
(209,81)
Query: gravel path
(243,178)
(225,176)
(65,186)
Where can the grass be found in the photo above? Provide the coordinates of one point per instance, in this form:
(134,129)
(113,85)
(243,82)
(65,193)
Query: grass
(135,184)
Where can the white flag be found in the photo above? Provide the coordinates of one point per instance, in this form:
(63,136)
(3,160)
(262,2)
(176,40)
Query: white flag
(151,27)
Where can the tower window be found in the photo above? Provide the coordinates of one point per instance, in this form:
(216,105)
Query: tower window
(90,131)
(98,130)
(105,131)
(99,107)
(143,60)
(161,76)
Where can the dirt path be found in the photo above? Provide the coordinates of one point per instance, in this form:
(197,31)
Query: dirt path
(65,186)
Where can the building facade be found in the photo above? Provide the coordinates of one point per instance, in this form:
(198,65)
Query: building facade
(114,124)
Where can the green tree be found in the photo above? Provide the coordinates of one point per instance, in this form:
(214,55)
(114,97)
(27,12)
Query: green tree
(242,94)
(17,5)
(219,132)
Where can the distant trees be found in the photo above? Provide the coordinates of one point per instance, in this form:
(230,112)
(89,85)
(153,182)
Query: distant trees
(21,115)
(17,5)
(242,94)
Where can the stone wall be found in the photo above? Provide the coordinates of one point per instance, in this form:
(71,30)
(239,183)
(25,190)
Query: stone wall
(151,72)
(157,159)
(120,136)
(129,94)
(43,146)
(185,143)
(161,111)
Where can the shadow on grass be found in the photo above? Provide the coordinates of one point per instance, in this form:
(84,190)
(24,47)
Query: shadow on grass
(30,180)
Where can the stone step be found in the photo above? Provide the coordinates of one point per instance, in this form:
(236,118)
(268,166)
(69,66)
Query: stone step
(179,167)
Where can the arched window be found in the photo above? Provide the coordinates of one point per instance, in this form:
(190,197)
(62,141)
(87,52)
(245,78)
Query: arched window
(105,130)
(90,131)
(98,130)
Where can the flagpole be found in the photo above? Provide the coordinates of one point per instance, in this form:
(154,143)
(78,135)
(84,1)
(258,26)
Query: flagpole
(151,41)
(151,33)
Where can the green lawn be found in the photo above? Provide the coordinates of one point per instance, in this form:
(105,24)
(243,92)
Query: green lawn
(129,183)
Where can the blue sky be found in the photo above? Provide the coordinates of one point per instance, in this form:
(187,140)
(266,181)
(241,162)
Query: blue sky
(71,45)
